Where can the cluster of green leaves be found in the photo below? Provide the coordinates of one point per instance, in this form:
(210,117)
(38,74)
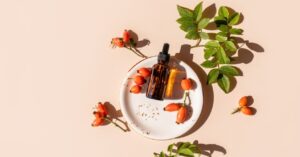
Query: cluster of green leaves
(192,22)
(183,149)
(219,49)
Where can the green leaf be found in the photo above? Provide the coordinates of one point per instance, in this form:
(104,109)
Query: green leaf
(184,145)
(223,11)
(213,76)
(236,31)
(224,83)
(203,23)
(223,28)
(188,28)
(212,44)
(208,52)
(222,56)
(198,12)
(204,35)
(221,37)
(186,20)
(193,35)
(229,70)
(220,18)
(162,154)
(170,147)
(234,19)
(209,64)
(230,46)
(186,152)
(184,12)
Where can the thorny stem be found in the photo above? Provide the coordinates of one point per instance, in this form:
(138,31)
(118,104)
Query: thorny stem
(117,125)
(186,94)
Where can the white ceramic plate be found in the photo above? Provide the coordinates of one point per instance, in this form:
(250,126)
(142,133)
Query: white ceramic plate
(147,117)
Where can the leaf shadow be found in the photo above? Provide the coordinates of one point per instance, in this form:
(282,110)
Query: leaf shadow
(209,149)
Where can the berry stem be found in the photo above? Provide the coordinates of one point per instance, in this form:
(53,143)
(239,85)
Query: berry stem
(236,110)
(117,125)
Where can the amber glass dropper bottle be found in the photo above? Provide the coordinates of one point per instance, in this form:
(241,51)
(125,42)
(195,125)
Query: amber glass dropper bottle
(159,76)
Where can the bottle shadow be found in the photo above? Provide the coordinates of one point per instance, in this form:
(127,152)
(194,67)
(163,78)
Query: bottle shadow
(208,95)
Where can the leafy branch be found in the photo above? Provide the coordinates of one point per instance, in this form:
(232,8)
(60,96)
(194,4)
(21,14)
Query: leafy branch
(181,149)
(219,48)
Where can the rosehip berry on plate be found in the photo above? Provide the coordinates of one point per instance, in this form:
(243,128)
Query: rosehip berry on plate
(139,80)
(182,114)
(135,89)
(126,36)
(172,107)
(186,84)
(145,72)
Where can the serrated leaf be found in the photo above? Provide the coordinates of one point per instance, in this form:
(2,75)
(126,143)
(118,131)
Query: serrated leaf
(221,37)
(222,56)
(198,12)
(208,52)
(229,70)
(188,28)
(203,23)
(224,83)
(213,76)
(185,20)
(230,46)
(186,152)
(193,35)
(204,35)
(184,12)
(209,64)
(212,44)
(223,11)
(234,19)
(223,28)
(236,31)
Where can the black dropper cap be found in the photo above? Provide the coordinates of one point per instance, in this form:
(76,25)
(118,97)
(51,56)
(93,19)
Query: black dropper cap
(164,56)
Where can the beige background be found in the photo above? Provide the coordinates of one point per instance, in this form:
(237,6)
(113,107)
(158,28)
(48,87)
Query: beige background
(56,63)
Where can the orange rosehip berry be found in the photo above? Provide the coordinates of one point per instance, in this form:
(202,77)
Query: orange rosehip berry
(243,101)
(126,36)
(98,122)
(182,114)
(139,80)
(135,89)
(172,107)
(118,42)
(247,110)
(145,72)
(186,84)
(102,109)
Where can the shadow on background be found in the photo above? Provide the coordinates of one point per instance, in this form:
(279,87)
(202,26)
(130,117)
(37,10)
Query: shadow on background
(208,96)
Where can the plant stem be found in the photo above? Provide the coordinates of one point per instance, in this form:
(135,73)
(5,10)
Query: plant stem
(117,125)
(236,110)
(136,51)
(197,44)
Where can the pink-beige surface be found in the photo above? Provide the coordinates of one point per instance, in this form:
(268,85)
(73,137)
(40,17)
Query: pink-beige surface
(56,64)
